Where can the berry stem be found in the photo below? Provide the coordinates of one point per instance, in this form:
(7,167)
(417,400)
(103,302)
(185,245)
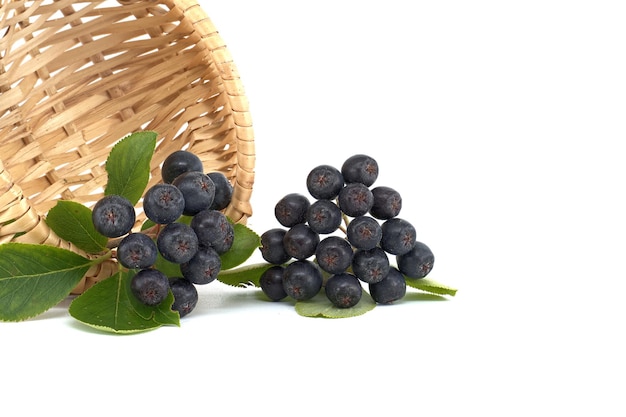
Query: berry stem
(98,260)
(346,222)
(152,231)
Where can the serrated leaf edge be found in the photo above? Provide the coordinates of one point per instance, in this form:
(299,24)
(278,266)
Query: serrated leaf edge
(430,286)
(89,235)
(120,289)
(106,166)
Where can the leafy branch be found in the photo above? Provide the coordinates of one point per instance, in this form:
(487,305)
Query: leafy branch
(34,278)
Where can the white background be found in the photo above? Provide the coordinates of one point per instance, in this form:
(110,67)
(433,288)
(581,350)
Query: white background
(499,122)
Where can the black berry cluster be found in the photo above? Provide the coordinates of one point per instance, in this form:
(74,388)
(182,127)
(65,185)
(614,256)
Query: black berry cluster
(195,245)
(307,256)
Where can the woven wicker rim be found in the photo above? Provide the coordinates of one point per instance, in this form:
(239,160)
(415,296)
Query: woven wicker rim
(75,77)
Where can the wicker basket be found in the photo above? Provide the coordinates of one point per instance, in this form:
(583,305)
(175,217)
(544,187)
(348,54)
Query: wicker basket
(77,76)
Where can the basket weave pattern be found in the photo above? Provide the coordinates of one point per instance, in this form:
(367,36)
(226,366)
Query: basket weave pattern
(77,76)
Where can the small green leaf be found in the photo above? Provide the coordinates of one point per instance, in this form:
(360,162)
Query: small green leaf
(34,278)
(244,276)
(320,306)
(72,222)
(147,224)
(245,243)
(168,268)
(128,165)
(430,286)
(110,306)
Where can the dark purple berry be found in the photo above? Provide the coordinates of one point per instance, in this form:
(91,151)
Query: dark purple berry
(360,168)
(364,232)
(370,265)
(355,199)
(198,191)
(302,280)
(392,288)
(387,203)
(179,162)
(324,182)
(203,267)
(177,243)
(137,251)
(163,203)
(213,229)
(150,286)
(223,190)
(416,263)
(398,236)
(272,248)
(334,254)
(291,209)
(324,216)
(300,241)
(271,282)
(113,216)
(343,290)
(185,296)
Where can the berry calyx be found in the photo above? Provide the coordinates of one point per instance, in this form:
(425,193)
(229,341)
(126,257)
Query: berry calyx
(137,251)
(177,243)
(150,286)
(113,216)
(163,203)
(343,290)
(360,169)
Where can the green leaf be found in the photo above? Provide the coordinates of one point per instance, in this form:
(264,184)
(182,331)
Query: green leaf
(244,276)
(168,268)
(72,222)
(245,243)
(128,165)
(430,286)
(110,306)
(34,278)
(147,224)
(320,306)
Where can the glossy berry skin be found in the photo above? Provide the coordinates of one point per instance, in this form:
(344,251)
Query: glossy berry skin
(364,232)
(271,282)
(302,280)
(334,254)
(343,290)
(177,243)
(213,229)
(113,216)
(291,209)
(163,203)
(198,191)
(179,162)
(387,203)
(223,190)
(150,286)
(370,265)
(390,289)
(300,241)
(324,216)
(272,248)
(185,295)
(360,169)
(355,199)
(137,251)
(203,267)
(324,182)
(416,263)
(398,236)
